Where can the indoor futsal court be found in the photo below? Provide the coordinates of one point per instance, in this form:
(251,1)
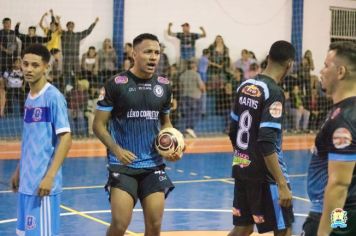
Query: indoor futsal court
(222,43)
(199,205)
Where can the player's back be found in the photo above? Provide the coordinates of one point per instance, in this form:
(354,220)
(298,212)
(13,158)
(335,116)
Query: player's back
(259,103)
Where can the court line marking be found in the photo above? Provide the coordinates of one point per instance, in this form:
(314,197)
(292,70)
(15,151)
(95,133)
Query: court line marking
(206,179)
(86,214)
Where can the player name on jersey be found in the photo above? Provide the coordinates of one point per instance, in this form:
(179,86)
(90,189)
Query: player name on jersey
(149,115)
(248,102)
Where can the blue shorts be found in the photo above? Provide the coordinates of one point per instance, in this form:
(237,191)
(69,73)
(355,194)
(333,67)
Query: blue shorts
(38,216)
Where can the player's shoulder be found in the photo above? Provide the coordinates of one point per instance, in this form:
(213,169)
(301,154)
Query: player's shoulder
(345,112)
(162,80)
(119,80)
(52,92)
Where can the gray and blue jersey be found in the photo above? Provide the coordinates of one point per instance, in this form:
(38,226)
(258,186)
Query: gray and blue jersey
(45,117)
(259,103)
(136,106)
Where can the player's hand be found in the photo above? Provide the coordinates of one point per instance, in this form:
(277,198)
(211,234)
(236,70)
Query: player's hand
(45,186)
(125,156)
(285,196)
(170,24)
(177,155)
(15,181)
(174,156)
(96,20)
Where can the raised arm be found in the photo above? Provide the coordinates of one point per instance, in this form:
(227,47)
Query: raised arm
(203,33)
(41,22)
(170,33)
(86,32)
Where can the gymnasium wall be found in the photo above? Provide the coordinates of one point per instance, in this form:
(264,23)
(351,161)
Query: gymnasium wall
(252,24)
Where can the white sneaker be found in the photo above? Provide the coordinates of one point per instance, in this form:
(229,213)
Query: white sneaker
(191,133)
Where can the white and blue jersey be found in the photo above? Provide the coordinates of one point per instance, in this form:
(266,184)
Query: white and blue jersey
(136,106)
(259,103)
(45,117)
(336,141)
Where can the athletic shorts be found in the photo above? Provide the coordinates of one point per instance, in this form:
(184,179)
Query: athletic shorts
(139,183)
(311,224)
(38,216)
(257,203)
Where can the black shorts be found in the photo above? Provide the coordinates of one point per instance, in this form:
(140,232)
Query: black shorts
(139,183)
(257,203)
(311,224)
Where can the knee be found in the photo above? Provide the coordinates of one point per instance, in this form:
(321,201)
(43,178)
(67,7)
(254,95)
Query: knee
(153,228)
(117,228)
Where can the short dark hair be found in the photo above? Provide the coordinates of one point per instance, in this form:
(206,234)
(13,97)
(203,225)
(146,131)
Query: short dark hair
(32,27)
(205,51)
(69,22)
(6,19)
(40,50)
(345,50)
(191,63)
(92,47)
(281,51)
(53,51)
(144,36)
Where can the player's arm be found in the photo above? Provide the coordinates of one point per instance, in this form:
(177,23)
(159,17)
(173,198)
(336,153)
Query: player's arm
(165,121)
(169,30)
(266,137)
(15,179)
(339,178)
(101,120)
(65,141)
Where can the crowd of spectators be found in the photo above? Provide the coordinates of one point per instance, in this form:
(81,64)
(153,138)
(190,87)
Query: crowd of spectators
(201,84)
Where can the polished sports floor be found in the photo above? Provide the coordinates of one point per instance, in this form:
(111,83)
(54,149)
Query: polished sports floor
(199,205)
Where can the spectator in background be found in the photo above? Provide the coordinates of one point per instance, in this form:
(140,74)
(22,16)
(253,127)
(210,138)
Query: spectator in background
(233,79)
(191,88)
(55,75)
(90,110)
(244,62)
(299,110)
(107,60)
(174,79)
(253,70)
(15,94)
(307,65)
(128,49)
(78,101)
(90,68)
(2,97)
(187,43)
(219,63)
(203,71)
(30,38)
(54,30)
(70,49)
(163,64)
(8,45)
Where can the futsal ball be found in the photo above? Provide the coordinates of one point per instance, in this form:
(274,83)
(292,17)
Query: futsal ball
(169,141)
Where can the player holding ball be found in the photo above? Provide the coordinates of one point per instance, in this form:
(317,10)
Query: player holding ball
(128,118)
